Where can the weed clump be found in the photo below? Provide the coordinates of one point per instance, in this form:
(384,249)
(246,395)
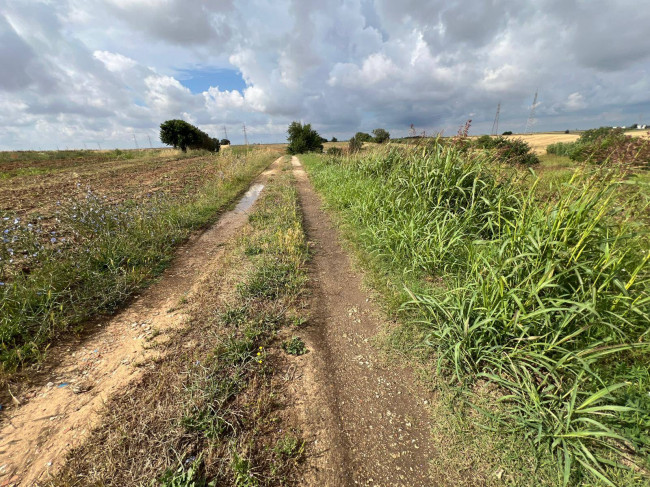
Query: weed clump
(295,346)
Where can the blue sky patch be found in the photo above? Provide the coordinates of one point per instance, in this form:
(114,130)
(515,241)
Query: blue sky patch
(199,80)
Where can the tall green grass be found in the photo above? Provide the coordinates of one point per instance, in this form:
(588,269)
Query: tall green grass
(111,252)
(539,298)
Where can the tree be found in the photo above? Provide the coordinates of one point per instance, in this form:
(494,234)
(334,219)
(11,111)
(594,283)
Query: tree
(302,138)
(381,135)
(184,135)
(178,133)
(363,137)
(225,142)
(334,139)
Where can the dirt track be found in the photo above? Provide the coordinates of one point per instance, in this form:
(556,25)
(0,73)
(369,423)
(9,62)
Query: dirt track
(59,412)
(367,420)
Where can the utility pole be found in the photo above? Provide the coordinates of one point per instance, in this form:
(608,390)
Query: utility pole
(495,124)
(150,144)
(225,133)
(245,138)
(135,141)
(531,118)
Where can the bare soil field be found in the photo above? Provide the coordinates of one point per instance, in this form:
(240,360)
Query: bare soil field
(33,186)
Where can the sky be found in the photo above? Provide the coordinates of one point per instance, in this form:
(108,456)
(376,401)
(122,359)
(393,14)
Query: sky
(77,73)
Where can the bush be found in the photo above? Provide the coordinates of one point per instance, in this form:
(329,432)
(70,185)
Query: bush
(302,138)
(225,142)
(335,151)
(508,132)
(562,148)
(515,151)
(381,135)
(355,144)
(363,137)
(334,139)
(485,142)
(607,145)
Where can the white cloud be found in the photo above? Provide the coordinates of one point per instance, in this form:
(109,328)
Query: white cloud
(114,61)
(85,70)
(575,101)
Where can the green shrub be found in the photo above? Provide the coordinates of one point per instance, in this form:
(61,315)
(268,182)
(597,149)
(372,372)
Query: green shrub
(510,151)
(381,135)
(302,138)
(607,145)
(562,148)
(355,145)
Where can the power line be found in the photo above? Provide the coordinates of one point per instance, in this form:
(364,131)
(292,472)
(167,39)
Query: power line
(150,144)
(495,124)
(136,141)
(225,133)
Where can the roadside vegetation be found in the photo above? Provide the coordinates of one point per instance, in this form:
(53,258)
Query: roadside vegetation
(533,306)
(63,264)
(606,145)
(209,411)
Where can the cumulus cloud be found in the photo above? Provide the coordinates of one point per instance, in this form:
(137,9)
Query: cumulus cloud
(80,71)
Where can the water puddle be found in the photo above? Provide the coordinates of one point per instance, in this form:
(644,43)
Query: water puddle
(249,198)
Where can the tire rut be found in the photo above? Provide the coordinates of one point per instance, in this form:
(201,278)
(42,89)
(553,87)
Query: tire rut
(366,420)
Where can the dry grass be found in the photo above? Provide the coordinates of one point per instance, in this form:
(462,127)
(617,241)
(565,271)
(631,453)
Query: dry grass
(539,142)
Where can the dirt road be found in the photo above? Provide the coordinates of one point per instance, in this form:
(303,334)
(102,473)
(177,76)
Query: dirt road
(58,412)
(367,420)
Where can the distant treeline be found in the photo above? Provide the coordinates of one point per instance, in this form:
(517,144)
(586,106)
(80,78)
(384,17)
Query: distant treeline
(185,136)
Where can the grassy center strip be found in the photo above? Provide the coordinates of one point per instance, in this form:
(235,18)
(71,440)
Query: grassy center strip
(210,410)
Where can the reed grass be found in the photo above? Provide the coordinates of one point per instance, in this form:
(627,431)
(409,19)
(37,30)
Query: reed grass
(539,297)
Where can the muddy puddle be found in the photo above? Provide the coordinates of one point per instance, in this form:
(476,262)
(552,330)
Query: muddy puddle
(249,198)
